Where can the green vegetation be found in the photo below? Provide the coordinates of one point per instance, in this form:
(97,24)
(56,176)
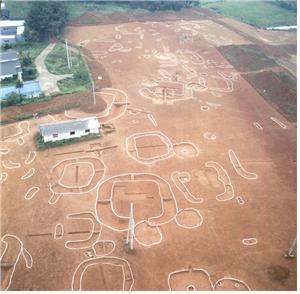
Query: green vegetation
(56,63)
(45,19)
(9,81)
(28,52)
(12,99)
(18,9)
(41,144)
(15,98)
(259,13)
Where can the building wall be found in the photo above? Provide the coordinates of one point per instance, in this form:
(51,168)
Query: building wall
(78,134)
(4,40)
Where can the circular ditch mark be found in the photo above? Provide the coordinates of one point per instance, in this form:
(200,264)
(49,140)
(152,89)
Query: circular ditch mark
(209,136)
(205,108)
(184,150)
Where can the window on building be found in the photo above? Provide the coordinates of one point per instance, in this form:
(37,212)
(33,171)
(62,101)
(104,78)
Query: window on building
(55,135)
(87,130)
(72,133)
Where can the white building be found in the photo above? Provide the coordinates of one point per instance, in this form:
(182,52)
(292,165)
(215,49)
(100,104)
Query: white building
(10,65)
(11,31)
(69,129)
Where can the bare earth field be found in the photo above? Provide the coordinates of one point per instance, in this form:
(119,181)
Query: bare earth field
(208,164)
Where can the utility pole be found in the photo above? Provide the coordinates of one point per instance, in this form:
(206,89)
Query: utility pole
(68,58)
(93,89)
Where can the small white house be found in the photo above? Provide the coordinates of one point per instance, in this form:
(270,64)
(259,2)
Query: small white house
(11,31)
(69,129)
(10,65)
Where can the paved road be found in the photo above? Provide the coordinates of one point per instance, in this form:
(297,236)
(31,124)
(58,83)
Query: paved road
(47,80)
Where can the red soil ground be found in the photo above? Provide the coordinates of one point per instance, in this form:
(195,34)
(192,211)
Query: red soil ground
(269,211)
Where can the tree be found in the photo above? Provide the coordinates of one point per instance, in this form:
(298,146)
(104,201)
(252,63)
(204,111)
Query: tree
(46,19)
(13,99)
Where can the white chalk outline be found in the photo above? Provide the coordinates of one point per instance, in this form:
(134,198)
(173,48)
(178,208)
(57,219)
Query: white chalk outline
(92,238)
(249,241)
(92,261)
(277,121)
(153,178)
(55,196)
(175,176)
(4,151)
(13,165)
(190,270)
(104,241)
(109,117)
(209,136)
(152,119)
(3,177)
(31,157)
(258,126)
(23,251)
(76,163)
(240,200)
(55,231)
(133,153)
(227,182)
(240,170)
(28,174)
(19,135)
(31,192)
(185,226)
(234,280)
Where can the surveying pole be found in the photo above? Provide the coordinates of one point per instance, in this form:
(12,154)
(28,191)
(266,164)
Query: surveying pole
(130,232)
(67,50)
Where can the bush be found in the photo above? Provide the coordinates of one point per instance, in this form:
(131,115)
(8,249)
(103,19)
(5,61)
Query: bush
(26,60)
(9,81)
(41,144)
(29,73)
(12,99)
(81,75)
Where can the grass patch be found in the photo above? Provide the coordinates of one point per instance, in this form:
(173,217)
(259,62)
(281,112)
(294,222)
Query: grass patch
(41,144)
(260,14)
(69,85)
(79,8)
(56,63)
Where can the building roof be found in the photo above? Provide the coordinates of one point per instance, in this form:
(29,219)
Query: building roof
(69,125)
(10,68)
(29,89)
(11,23)
(8,56)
